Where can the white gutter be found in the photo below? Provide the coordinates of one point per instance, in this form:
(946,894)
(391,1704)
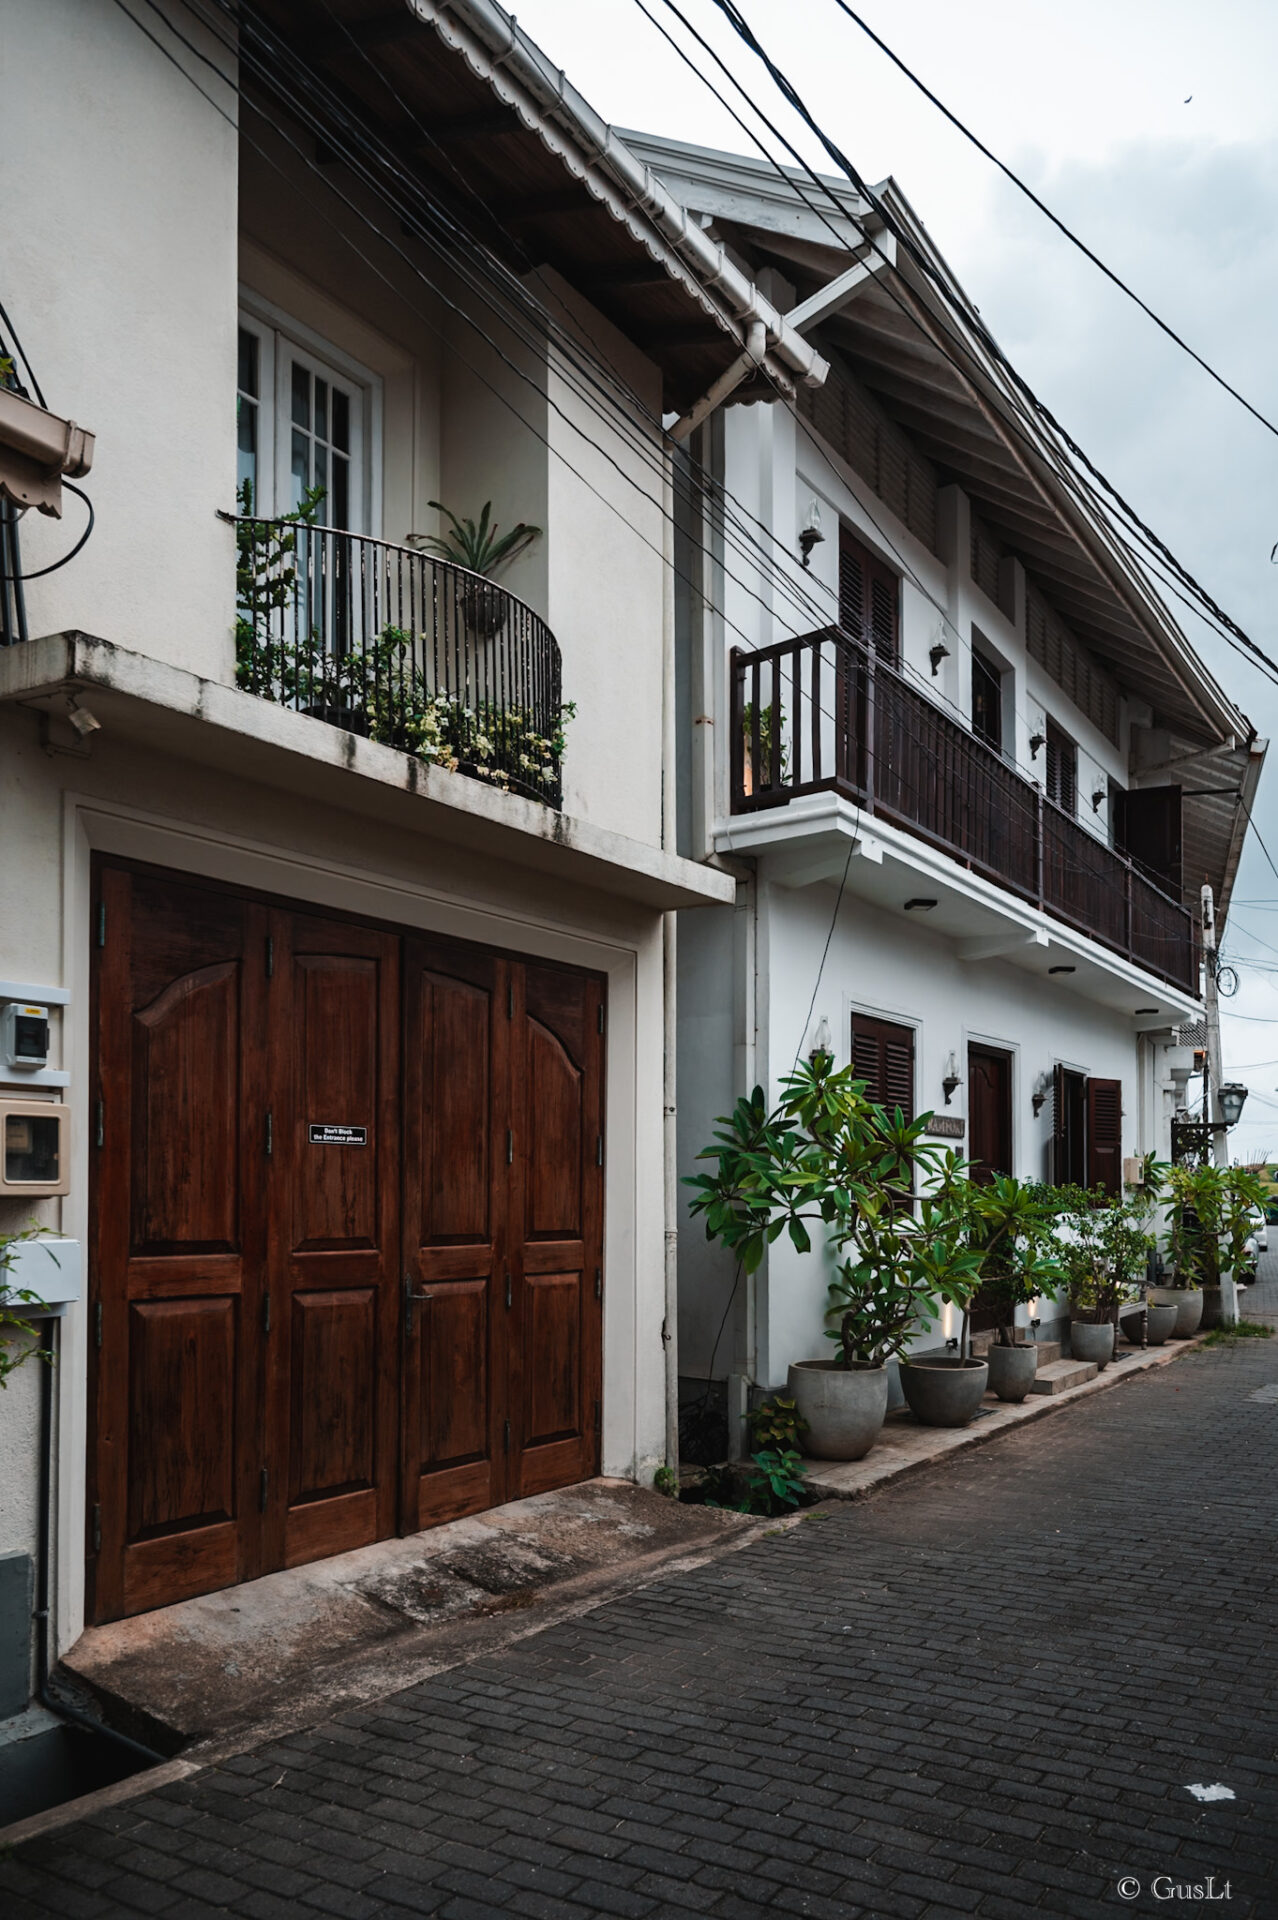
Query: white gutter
(518,72)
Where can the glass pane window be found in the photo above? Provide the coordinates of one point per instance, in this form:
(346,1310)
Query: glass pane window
(247,411)
(319,443)
(987,702)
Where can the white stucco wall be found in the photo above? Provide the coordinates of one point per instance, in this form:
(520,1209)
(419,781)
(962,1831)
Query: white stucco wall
(119,274)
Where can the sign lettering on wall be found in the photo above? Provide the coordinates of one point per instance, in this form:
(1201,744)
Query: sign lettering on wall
(946,1126)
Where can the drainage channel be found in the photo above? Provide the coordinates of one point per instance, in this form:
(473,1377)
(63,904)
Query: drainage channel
(44,1762)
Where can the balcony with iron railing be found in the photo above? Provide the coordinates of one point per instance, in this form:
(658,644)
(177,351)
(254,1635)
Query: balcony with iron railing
(404,649)
(821,713)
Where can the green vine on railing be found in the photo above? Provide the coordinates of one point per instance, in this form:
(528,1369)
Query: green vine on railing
(377,690)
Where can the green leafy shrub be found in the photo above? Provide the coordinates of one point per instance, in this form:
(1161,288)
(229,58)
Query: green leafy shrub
(776,1424)
(776,1482)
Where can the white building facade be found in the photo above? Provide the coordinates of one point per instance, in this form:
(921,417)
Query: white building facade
(968,772)
(358,987)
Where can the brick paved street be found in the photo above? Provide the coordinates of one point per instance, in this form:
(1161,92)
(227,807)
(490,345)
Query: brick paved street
(983,1692)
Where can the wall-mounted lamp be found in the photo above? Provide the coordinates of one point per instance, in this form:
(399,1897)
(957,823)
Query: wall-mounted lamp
(810,534)
(1036,741)
(953,1079)
(81,719)
(936,654)
(822,1041)
(1233,1098)
(1042,1087)
(1099,797)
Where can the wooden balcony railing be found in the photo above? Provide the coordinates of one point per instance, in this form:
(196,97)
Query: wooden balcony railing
(818,713)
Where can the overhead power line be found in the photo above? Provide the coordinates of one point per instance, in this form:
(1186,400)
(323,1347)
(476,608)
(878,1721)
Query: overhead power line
(1060,225)
(969,317)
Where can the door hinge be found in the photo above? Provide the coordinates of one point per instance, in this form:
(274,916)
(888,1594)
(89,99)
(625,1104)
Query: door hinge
(270,956)
(510,1147)
(97,1325)
(263,1482)
(99,1124)
(510,1000)
(97,1528)
(508,1287)
(601,1017)
(599,1151)
(101,923)
(266,1313)
(598,1283)
(598,1419)
(505,1436)
(270,1134)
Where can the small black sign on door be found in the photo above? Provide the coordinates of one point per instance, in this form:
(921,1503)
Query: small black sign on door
(321,1136)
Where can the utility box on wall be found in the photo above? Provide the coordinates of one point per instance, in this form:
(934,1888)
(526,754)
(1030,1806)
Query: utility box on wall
(48,1267)
(35,1146)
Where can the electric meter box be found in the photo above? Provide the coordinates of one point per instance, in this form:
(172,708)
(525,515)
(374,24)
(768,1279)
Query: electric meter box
(24,1036)
(47,1267)
(35,1147)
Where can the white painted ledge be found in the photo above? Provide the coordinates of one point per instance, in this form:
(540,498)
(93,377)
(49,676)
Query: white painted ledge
(178,713)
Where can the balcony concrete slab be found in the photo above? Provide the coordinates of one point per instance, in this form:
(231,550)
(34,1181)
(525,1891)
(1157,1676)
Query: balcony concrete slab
(170,711)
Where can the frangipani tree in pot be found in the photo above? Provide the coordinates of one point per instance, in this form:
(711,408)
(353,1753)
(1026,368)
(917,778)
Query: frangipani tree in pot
(1210,1210)
(1012,1224)
(826,1158)
(1103,1244)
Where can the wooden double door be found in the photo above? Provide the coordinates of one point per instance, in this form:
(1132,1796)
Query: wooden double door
(347,1202)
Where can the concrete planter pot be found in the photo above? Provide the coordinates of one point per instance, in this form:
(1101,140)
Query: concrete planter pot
(1090,1340)
(1160,1321)
(1012,1371)
(844,1407)
(1189,1304)
(944,1393)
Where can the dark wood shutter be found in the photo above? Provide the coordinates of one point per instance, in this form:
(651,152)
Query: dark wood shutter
(1147,828)
(883,1056)
(1062,769)
(869,598)
(1105,1134)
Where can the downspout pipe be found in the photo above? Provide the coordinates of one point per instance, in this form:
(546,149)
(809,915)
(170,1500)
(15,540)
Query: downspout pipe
(488,38)
(729,380)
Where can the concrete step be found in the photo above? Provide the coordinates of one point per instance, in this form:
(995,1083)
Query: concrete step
(1049,1352)
(1059,1375)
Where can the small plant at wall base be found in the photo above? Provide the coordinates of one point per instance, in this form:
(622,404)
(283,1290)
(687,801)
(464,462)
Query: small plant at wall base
(17,1304)
(776,1483)
(776,1424)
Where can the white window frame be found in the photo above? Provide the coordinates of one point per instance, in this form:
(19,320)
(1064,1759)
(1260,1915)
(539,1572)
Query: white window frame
(281,337)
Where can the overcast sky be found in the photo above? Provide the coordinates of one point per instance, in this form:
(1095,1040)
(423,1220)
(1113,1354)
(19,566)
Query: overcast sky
(1150,127)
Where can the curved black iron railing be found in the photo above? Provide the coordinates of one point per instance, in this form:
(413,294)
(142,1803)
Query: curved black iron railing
(820,713)
(405,649)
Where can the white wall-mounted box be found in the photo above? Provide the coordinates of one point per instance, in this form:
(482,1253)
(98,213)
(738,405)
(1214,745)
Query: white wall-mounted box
(49,1267)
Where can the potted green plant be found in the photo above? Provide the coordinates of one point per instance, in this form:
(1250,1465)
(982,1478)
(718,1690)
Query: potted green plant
(1012,1225)
(827,1157)
(1102,1248)
(1210,1224)
(477,546)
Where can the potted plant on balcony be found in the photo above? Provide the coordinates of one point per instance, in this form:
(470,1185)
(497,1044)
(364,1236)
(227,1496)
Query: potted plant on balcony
(1012,1225)
(827,1157)
(477,546)
(1210,1209)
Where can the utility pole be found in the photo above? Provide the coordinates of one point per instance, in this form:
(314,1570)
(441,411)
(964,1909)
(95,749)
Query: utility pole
(1214,1079)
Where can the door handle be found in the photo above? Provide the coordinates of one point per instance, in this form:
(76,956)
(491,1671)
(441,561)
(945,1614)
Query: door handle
(410,1300)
